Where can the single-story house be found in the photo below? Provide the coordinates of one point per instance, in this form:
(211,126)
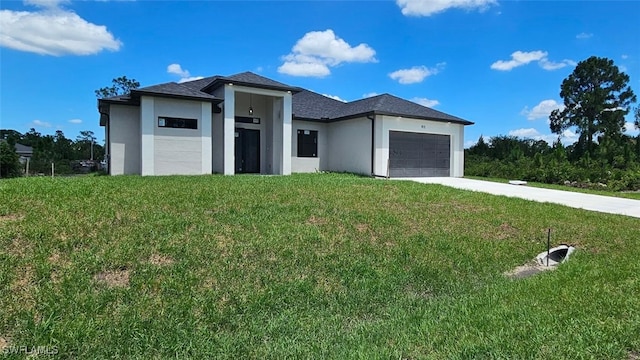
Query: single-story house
(24,152)
(247,123)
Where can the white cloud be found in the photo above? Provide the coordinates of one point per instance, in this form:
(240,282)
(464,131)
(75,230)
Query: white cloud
(312,69)
(334,97)
(53,31)
(622,68)
(40,123)
(631,129)
(520,58)
(624,56)
(470,143)
(415,74)
(371,94)
(425,102)
(317,51)
(430,7)
(524,133)
(75,121)
(550,65)
(584,35)
(184,74)
(567,137)
(542,110)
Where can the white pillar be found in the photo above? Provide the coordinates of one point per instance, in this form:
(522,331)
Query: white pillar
(147,126)
(205,129)
(229,130)
(286,134)
(277,135)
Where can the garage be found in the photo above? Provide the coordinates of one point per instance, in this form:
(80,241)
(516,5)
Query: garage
(418,154)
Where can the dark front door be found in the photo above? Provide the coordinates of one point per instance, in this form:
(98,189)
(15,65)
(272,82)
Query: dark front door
(247,151)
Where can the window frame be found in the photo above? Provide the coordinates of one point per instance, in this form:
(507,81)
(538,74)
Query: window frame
(164,121)
(307,143)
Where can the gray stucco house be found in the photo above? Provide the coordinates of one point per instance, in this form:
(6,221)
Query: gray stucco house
(246,123)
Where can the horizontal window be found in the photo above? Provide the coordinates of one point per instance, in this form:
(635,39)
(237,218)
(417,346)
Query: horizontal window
(180,123)
(247,120)
(307,143)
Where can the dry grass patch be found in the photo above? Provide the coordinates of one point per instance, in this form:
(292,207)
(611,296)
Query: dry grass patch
(113,278)
(314,220)
(527,270)
(4,342)
(161,260)
(505,231)
(10,217)
(23,279)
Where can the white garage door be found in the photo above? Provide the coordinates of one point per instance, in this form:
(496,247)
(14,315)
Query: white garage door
(419,155)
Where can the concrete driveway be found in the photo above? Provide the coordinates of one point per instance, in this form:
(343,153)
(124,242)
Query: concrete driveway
(605,204)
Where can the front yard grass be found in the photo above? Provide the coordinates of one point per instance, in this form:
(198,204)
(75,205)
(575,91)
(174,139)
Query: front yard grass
(306,266)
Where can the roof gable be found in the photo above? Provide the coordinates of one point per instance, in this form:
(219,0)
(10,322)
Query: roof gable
(173,89)
(387,104)
(249,79)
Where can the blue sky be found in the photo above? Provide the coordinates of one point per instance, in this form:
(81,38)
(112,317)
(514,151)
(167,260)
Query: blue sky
(496,63)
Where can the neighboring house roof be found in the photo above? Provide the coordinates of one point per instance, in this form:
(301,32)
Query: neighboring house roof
(22,150)
(306,105)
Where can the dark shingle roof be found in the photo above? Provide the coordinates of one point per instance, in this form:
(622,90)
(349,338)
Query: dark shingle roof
(386,104)
(306,105)
(173,89)
(309,105)
(200,83)
(252,80)
(23,149)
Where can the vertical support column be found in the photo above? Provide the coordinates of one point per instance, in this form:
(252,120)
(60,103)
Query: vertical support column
(277,135)
(229,130)
(286,134)
(147,126)
(205,128)
(457,144)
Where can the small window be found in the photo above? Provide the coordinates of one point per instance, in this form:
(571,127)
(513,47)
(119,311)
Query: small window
(180,123)
(307,143)
(247,120)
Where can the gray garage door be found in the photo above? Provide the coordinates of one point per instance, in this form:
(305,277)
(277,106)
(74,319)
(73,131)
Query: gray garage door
(418,155)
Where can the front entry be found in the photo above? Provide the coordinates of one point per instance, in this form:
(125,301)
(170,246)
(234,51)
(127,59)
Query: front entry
(247,151)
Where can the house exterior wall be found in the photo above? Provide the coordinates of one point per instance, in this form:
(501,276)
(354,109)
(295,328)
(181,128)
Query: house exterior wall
(178,151)
(309,164)
(384,124)
(124,138)
(349,146)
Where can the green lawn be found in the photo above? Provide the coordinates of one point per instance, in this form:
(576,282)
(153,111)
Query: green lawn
(306,266)
(622,194)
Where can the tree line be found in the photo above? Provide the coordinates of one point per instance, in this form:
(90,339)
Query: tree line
(596,98)
(68,156)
